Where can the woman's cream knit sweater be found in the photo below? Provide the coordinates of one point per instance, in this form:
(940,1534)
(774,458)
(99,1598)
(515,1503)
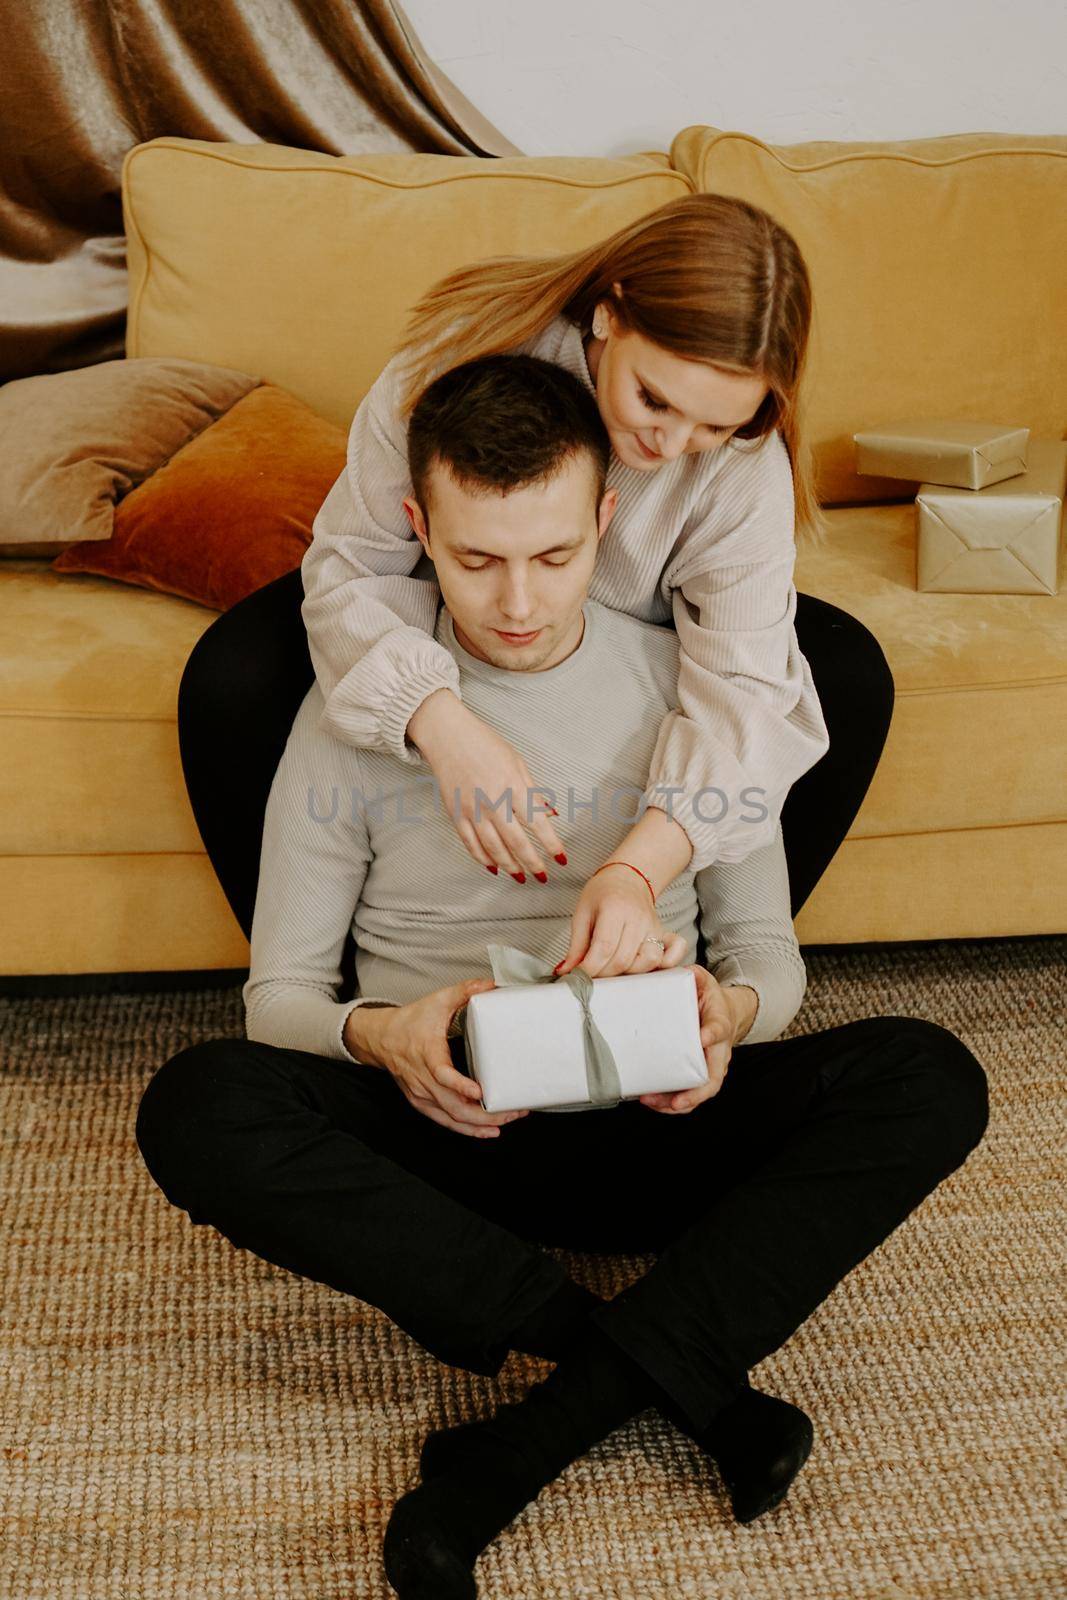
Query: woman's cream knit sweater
(706,541)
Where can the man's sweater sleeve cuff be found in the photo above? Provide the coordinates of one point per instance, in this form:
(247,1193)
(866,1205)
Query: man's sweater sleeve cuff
(761,1006)
(343,1051)
(779,982)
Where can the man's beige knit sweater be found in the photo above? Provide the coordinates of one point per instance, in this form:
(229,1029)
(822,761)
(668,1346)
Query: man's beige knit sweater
(356,840)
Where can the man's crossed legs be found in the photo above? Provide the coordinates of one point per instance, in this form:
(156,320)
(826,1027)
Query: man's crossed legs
(756,1203)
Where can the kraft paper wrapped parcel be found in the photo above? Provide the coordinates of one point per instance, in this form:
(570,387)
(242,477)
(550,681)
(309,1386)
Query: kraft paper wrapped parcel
(962,454)
(575,1043)
(1003,540)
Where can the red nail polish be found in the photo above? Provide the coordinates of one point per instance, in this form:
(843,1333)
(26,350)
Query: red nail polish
(520,877)
(542,877)
(561,858)
(492,869)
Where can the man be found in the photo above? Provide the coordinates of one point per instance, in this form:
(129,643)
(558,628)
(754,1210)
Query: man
(516,524)
(326,1140)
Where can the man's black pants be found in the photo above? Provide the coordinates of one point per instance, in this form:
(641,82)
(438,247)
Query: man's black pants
(755,1204)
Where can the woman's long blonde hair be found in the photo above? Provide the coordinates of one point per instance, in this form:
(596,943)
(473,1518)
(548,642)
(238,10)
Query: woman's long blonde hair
(708,277)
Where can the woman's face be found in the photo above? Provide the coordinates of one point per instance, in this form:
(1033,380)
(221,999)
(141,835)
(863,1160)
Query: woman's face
(657,406)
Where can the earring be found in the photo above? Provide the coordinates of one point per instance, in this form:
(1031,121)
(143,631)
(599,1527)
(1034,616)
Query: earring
(599,330)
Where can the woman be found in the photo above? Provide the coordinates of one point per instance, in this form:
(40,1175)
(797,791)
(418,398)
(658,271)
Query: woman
(691,328)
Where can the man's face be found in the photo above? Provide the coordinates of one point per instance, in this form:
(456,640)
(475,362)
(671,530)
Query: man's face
(517,563)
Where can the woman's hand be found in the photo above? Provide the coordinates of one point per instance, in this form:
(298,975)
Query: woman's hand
(725,1016)
(466,754)
(612,924)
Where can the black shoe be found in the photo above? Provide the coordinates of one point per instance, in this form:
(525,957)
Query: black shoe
(759,1443)
(419,1566)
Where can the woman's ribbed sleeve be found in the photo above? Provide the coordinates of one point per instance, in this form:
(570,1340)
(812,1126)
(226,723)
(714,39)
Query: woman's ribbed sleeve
(748,722)
(369,621)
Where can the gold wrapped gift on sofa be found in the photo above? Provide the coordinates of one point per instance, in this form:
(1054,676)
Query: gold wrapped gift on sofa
(969,455)
(1003,540)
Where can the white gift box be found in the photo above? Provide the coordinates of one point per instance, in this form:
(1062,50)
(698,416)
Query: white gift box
(528,1043)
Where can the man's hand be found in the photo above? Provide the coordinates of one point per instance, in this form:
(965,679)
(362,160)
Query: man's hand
(725,1017)
(411,1042)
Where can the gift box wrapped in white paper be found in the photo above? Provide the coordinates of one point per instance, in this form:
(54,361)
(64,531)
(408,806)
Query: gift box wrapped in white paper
(529,1047)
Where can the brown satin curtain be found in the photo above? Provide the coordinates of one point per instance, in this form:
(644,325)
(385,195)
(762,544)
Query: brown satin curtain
(82,81)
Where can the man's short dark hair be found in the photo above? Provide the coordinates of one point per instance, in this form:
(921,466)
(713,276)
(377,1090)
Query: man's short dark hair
(505,421)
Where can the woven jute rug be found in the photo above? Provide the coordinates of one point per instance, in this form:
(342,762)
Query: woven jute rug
(181,1420)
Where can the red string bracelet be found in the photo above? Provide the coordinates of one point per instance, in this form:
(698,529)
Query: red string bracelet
(632,868)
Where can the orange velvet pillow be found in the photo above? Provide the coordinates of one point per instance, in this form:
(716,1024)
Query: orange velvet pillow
(229,511)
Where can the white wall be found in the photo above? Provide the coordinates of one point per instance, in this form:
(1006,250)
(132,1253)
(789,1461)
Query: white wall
(609,77)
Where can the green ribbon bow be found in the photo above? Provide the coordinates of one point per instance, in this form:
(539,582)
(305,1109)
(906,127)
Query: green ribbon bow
(514,968)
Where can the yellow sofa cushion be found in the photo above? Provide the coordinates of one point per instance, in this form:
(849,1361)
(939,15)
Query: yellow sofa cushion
(88,741)
(981,684)
(939,270)
(89,758)
(302,267)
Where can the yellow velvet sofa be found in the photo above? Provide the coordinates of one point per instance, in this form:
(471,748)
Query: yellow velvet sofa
(940,275)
